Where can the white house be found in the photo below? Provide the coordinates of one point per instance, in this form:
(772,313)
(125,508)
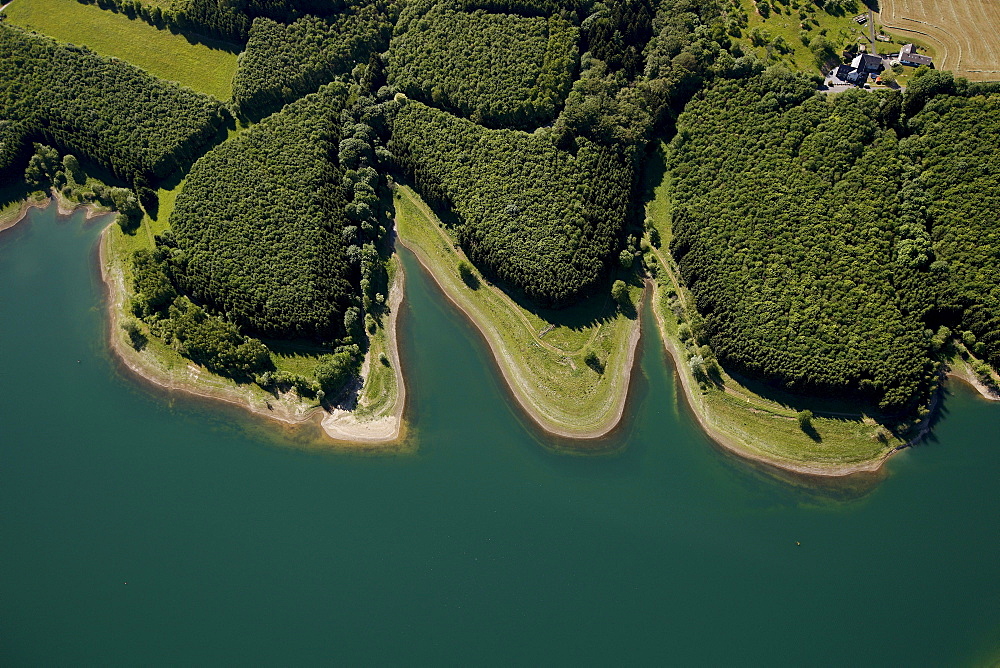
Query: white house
(908,56)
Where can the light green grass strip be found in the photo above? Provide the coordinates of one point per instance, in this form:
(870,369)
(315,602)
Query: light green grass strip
(546,372)
(207,67)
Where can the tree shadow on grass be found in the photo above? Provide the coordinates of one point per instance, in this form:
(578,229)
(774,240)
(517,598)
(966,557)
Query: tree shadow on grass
(810,431)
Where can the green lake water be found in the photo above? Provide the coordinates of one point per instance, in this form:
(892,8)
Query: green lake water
(484,545)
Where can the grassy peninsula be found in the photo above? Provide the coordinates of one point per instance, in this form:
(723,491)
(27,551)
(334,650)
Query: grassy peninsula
(543,354)
(374,417)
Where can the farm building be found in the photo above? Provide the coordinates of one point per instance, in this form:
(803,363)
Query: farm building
(843,71)
(908,56)
(867,63)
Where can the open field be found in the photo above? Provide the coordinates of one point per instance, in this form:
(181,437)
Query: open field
(965,35)
(540,353)
(206,67)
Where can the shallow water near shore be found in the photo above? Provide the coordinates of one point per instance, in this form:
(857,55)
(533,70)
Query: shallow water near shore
(487,543)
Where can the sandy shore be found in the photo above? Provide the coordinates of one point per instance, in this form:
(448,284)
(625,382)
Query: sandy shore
(287,408)
(342,425)
(969,377)
(23,212)
(63,205)
(338,425)
(516,383)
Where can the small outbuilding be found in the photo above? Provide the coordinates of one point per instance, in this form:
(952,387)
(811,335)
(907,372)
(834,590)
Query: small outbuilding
(857,77)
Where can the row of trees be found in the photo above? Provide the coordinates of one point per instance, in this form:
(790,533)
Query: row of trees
(543,220)
(259,229)
(566,8)
(226,19)
(501,70)
(283,62)
(103,109)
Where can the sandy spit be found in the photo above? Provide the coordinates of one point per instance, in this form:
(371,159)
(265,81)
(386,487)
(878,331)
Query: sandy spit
(342,425)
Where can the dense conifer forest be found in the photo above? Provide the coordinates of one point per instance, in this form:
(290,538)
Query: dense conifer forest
(828,240)
(783,233)
(541,219)
(444,56)
(97,108)
(957,141)
(258,233)
(283,62)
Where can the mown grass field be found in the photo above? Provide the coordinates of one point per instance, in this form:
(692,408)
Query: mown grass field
(541,353)
(758,426)
(206,67)
(964,34)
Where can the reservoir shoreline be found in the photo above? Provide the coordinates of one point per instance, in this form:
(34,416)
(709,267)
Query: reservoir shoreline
(338,426)
(344,428)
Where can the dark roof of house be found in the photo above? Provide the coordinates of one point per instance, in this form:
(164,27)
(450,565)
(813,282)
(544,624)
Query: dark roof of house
(908,54)
(871,62)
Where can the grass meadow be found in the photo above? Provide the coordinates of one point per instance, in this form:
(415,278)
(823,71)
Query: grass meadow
(206,66)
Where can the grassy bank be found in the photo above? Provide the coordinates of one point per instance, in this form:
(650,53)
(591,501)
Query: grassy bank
(541,353)
(206,66)
(752,422)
